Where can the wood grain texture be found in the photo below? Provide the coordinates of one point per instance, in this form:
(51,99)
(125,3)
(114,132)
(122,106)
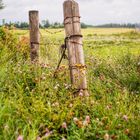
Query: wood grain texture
(34,35)
(74,44)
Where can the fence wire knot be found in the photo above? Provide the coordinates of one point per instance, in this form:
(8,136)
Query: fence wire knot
(64,56)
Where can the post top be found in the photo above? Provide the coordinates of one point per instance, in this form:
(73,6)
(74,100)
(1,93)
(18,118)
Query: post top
(70,0)
(73,1)
(33,11)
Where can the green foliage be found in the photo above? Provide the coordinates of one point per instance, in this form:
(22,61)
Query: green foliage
(7,38)
(34,104)
(1,5)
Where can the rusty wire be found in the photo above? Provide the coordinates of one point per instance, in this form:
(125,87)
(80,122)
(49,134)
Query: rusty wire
(52,33)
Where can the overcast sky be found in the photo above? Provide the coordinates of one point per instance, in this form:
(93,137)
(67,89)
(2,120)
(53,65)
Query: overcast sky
(92,11)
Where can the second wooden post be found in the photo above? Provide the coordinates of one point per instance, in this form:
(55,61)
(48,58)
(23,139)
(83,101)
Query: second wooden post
(74,44)
(34,35)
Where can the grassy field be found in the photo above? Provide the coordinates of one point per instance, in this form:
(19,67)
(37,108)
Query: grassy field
(36,106)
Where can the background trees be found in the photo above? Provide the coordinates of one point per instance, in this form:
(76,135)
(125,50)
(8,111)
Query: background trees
(1,5)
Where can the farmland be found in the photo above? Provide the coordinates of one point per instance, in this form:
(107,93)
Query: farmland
(36,105)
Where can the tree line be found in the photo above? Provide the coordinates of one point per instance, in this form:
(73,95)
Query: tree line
(1,5)
(25,25)
(43,24)
(114,25)
(47,24)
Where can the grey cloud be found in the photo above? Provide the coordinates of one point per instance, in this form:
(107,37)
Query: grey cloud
(92,11)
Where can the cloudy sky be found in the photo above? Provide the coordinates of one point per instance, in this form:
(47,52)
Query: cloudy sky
(92,11)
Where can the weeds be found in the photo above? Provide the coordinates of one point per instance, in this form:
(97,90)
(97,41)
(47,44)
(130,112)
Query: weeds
(36,106)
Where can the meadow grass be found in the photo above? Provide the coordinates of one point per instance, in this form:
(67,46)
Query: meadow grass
(36,106)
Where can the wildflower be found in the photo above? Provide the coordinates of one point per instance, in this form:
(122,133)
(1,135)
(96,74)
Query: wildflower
(127,131)
(38,138)
(64,125)
(63,138)
(97,119)
(55,104)
(20,137)
(27,88)
(44,65)
(100,123)
(36,80)
(85,123)
(106,136)
(67,86)
(75,119)
(125,117)
(87,119)
(81,93)
(102,77)
(47,130)
(48,133)
(43,78)
(108,107)
(70,105)
(56,87)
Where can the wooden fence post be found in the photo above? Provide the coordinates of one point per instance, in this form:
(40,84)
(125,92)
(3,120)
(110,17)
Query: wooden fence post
(74,44)
(34,35)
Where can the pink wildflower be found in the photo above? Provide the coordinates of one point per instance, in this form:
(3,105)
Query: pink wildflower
(87,119)
(47,134)
(38,138)
(20,137)
(81,93)
(64,125)
(125,117)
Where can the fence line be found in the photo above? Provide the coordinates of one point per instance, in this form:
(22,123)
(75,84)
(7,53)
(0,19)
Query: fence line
(72,43)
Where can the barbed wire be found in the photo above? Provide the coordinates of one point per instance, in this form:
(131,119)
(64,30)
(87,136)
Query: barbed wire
(49,42)
(62,46)
(53,43)
(52,33)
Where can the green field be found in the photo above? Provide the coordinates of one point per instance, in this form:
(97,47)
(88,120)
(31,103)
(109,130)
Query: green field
(36,106)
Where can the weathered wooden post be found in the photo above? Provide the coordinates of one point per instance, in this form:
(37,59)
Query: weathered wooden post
(34,35)
(74,43)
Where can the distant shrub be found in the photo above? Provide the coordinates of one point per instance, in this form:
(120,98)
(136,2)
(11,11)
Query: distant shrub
(10,41)
(2,33)
(7,38)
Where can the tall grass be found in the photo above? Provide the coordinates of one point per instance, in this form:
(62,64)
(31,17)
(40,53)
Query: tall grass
(35,105)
